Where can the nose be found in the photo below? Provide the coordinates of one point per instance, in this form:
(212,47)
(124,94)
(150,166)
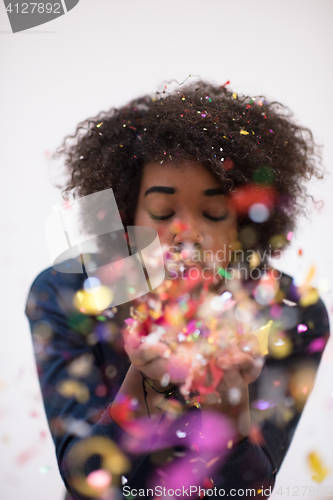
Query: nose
(191,235)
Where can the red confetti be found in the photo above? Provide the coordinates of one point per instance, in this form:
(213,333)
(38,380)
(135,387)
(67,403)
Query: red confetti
(208,483)
(196,447)
(101,391)
(243,198)
(228,164)
(256,436)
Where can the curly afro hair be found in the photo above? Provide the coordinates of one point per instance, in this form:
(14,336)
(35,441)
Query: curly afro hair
(239,139)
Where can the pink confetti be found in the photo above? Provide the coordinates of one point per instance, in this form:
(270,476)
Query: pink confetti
(317,344)
(27,454)
(301,328)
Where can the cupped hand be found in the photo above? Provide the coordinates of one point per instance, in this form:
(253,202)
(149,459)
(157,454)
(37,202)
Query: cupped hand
(240,367)
(154,358)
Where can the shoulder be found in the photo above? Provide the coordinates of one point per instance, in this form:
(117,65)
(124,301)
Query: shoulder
(50,276)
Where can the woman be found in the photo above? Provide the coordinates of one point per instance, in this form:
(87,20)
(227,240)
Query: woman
(230,170)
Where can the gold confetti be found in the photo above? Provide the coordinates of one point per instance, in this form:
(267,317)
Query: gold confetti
(112,461)
(234,95)
(254,260)
(317,466)
(301,385)
(262,336)
(310,297)
(93,303)
(72,388)
(211,462)
(310,275)
(279,346)
(243,132)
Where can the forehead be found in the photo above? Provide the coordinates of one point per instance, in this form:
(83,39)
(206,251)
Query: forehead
(180,175)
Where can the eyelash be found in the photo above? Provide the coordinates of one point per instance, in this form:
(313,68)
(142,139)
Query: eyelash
(214,219)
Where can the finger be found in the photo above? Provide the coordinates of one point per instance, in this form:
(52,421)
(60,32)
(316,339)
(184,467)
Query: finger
(231,379)
(245,365)
(146,353)
(248,367)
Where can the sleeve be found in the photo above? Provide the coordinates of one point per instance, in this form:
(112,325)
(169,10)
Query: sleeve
(69,362)
(278,396)
(249,470)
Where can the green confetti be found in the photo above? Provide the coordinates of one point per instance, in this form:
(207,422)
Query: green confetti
(44,469)
(264,175)
(224,273)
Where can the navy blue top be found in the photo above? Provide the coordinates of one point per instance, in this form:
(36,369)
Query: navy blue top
(62,334)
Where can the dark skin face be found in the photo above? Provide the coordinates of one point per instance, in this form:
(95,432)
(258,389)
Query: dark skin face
(191,194)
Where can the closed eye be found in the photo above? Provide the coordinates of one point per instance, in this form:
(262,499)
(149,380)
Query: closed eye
(161,217)
(216,219)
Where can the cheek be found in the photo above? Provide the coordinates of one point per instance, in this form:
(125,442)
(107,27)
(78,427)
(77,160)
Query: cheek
(220,240)
(164,234)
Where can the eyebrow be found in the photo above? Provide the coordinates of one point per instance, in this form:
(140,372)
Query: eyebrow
(160,189)
(170,190)
(215,191)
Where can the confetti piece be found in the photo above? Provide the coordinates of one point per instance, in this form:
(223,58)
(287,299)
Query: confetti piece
(258,212)
(289,303)
(264,175)
(310,275)
(244,132)
(73,388)
(27,454)
(99,480)
(178,226)
(224,273)
(301,385)
(113,462)
(243,198)
(93,303)
(309,297)
(279,346)
(212,461)
(256,436)
(208,483)
(228,164)
(44,469)
(317,345)
(262,336)
(317,467)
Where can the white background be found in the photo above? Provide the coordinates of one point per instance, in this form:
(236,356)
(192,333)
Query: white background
(100,55)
